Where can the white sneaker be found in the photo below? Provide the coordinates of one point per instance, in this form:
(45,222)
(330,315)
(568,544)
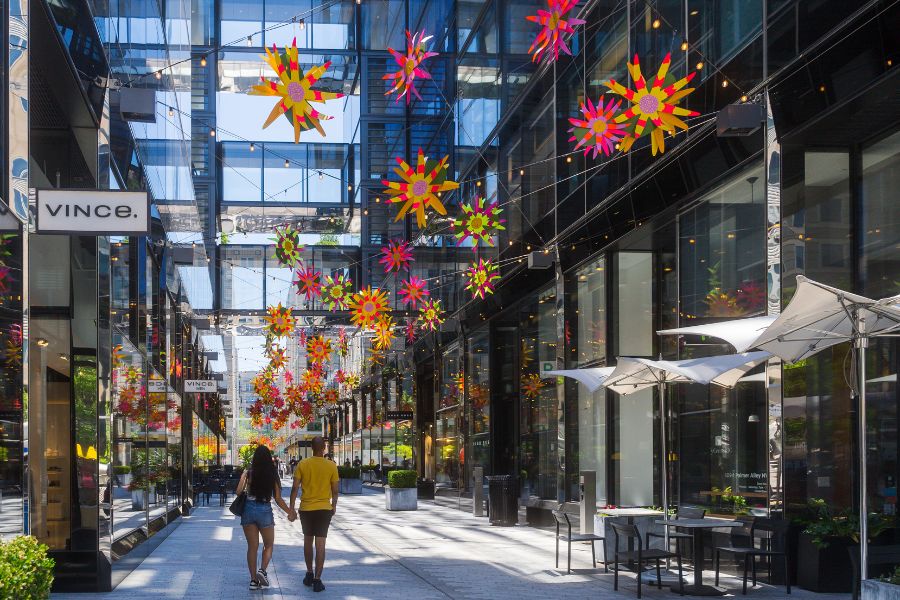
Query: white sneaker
(263,578)
(254,585)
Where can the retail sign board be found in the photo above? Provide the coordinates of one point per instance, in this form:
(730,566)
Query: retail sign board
(93,212)
(199,386)
(157,386)
(399,415)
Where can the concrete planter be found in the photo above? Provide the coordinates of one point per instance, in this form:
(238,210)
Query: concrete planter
(124,479)
(872,589)
(139,499)
(401,498)
(351,486)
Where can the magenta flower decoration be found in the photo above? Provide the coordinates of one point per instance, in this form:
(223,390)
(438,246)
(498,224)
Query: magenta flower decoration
(410,330)
(410,66)
(412,291)
(481,276)
(553,27)
(598,131)
(480,222)
(396,256)
(309,282)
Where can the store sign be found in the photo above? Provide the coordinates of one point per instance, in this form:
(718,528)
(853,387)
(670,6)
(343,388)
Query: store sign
(93,212)
(156,386)
(199,386)
(399,415)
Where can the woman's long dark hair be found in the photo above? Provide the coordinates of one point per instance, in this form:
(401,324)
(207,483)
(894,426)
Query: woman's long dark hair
(263,478)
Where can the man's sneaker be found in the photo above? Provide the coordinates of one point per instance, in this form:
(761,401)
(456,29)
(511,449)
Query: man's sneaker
(318,586)
(308,580)
(254,585)
(263,578)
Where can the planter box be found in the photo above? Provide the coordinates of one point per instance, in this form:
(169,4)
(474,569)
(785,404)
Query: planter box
(124,479)
(400,498)
(872,589)
(351,486)
(139,499)
(824,570)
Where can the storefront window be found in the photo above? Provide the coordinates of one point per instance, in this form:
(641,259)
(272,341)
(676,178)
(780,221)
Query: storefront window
(538,412)
(478,391)
(590,315)
(449,455)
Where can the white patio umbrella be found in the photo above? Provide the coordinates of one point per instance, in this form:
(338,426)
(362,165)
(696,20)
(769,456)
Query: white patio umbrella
(740,333)
(820,316)
(591,377)
(636,374)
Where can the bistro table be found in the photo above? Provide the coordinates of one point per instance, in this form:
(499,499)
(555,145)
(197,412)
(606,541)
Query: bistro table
(697,526)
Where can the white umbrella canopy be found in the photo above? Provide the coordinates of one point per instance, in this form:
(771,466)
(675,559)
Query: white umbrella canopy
(820,316)
(591,377)
(740,333)
(635,374)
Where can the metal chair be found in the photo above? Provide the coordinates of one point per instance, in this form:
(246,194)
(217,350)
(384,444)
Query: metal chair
(772,543)
(641,556)
(563,519)
(685,512)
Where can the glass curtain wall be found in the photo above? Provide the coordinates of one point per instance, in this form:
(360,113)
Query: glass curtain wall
(449,454)
(478,397)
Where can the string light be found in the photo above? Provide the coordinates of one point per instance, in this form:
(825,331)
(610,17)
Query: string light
(212,133)
(684,46)
(522,172)
(656,23)
(321,176)
(725,83)
(700,65)
(743,98)
(171,112)
(203,61)
(287,164)
(249,40)
(302,24)
(158,75)
(252,146)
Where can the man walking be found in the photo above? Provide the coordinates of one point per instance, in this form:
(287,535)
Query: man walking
(318,478)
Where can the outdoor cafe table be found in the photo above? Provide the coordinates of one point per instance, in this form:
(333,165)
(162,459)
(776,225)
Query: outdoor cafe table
(697,526)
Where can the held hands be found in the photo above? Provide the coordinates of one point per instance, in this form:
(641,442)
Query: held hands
(292,514)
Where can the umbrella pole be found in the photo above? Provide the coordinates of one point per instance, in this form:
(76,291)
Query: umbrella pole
(861,343)
(664,478)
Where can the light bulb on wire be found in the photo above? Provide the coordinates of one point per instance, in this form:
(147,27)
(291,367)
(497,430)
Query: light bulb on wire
(203,61)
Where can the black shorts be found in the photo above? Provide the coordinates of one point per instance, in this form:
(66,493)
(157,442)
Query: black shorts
(315,522)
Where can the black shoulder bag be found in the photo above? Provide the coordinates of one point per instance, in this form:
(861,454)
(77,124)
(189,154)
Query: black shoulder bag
(237,505)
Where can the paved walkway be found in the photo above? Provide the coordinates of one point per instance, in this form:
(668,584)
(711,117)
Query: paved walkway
(433,553)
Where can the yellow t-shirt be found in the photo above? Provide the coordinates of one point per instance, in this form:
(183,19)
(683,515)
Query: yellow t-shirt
(316,474)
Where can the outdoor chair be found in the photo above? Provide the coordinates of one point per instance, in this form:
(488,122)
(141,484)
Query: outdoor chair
(772,535)
(640,556)
(562,519)
(685,512)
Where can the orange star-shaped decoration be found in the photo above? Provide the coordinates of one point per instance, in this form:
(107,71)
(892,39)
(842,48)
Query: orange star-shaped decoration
(318,349)
(420,186)
(384,333)
(295,90)
(367,305)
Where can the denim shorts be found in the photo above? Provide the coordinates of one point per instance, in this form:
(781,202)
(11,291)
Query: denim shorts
(257,513)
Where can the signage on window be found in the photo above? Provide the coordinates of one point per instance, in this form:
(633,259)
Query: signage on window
(199,386)
(156,386)
(93,212)
(399,415)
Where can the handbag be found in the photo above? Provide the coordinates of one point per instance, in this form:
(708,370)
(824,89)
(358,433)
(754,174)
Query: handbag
(237,505)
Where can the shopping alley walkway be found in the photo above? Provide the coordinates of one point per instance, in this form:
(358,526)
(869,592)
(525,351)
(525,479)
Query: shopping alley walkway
(435,552)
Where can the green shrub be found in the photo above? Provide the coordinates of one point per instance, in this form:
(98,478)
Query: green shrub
(402,479)
(122,469)
(348,472)
(25,570)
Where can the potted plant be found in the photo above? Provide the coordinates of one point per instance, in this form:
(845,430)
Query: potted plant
(25,569)
(123,475)
(824,542)
(883,588)
(401,493)
(350,482)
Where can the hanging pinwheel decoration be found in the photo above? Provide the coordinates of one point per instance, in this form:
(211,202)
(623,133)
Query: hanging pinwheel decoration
(309,283)
(419,186)
(311,381)
(330,397)
(294,88)
(343,345)
(376,358)
(532,385)
(431,315)
(367,305)
(410,330)
(279,321)
(339,376)
(301,339)
(598,131)
(396,256)
(318,349)
(287,246)
(336,292)
(481,276)
(653,109)
(412,291)
(384,333)
(479,221)
(410,66)
(277,357)
(553,28)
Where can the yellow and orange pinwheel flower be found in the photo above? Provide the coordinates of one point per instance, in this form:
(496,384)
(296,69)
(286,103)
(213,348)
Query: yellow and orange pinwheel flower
(384,333)
(367,306)
(420,186)
(653,109)
(279,321)
(318,349)
(294,88)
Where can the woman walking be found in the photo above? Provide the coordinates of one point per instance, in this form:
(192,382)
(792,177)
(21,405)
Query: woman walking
(262,485)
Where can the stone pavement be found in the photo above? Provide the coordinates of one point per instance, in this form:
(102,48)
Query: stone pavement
(433,553)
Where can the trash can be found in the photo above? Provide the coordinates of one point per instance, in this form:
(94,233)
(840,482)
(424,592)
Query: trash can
(503,503)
